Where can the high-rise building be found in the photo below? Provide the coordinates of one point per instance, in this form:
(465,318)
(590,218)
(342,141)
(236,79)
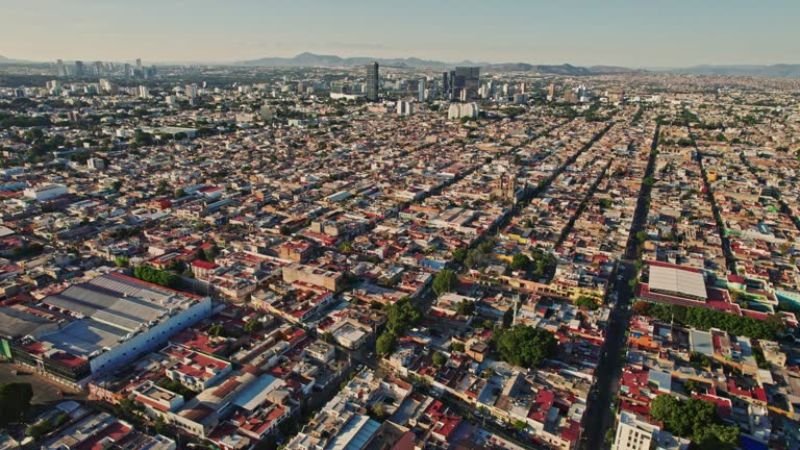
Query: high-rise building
(405,108)
(445,85)
(465,83)
(373,82)
(107,86)
(79,69)
(190,90)
(421,90)
(61,69)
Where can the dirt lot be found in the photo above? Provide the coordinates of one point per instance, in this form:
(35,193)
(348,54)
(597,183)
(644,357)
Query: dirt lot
(44,390)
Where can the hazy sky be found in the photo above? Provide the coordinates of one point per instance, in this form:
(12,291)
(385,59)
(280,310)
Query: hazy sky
(634,33)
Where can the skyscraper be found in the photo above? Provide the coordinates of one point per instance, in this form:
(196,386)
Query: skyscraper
(421,90)
(61,69)
(465,82)
(79,69)
(445,86)
(551,92)
(372,82)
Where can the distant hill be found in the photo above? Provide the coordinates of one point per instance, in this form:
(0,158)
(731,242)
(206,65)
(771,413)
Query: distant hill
(6,60)
(314,60)
(774,70)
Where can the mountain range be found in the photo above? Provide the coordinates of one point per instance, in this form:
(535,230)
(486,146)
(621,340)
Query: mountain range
(329,61)
(773,70)
(315,60)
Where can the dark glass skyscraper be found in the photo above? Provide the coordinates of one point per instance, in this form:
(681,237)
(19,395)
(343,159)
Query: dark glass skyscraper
(373,82)
(465,83)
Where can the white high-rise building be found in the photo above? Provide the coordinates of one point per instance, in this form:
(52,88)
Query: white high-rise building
(460,110)
(405,108)
(190,90)
(634,433)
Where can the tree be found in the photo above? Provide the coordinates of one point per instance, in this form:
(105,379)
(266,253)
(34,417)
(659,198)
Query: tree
(445,281)
(695,419)
(252,325)
(520,262)
(702,318)
(459,255)
(43,427)
(210,253)
(466,308)
(216,329)
(525,346)
(385,343)
(544,263)
(439,359)
(345,247)
(401,315)
(378,411)
(176,387)
(16,401)
(160,426)
(121,261)
(153,275)
(586,302)
(692,386)
(640,308)
(141,138)
(716,437)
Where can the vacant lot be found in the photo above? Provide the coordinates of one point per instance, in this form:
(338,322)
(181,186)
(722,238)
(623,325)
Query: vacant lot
(44,391)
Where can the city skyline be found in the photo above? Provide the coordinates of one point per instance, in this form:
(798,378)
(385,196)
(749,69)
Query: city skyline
(621,33)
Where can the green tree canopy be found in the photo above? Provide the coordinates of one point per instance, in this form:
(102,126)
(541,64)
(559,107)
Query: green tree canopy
(16,401)
(525,346)
(385,343)
(153,275)
(466,308)
(703,318)
(445,281)
(587,302)
(520,262)
(401,315)
(695,419)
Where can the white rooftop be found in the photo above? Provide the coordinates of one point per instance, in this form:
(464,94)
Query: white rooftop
(678,281)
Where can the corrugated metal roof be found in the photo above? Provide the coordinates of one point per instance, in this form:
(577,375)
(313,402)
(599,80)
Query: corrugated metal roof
(671,279)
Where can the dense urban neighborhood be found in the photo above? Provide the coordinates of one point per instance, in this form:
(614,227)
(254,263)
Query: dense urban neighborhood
(383,257)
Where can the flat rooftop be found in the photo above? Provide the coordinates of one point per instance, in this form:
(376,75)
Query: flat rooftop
(118,300)
(83,337)
(16,323)
(679,281)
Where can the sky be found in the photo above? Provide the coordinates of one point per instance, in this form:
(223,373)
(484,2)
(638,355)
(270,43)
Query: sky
(632,33)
